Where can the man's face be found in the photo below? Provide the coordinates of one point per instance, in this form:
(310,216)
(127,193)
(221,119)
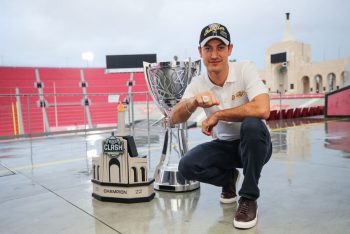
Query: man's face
(215,55)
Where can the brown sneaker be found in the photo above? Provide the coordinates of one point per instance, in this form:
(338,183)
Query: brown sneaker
(246,214)
(228,194)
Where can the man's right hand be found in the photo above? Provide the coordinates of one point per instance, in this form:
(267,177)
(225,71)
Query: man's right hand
(183,110)
(206,99)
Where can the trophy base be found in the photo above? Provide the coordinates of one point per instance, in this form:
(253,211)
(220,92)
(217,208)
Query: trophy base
(169,179)
(124,193)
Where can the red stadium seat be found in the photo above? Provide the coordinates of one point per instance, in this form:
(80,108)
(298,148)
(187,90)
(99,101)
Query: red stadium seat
(297,113)
(320,110)
(289,113)
(278,114)
(284,114)
(312,111)
(305,112)
(273,115)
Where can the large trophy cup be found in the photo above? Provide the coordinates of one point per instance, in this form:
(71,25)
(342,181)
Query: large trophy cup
(167,82)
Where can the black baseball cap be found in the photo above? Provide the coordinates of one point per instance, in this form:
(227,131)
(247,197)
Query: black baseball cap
(212,31)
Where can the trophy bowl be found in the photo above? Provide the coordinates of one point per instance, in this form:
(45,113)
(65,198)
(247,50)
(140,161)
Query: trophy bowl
(167,82)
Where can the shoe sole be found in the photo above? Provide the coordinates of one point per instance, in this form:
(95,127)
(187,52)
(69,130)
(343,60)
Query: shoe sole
(231,200)
(246,225)
(228,200)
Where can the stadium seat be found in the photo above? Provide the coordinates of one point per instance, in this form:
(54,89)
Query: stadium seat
(305,112)
(312,111)
(283,115)
(321,110)
(297,113)
(289,113)
(273,115)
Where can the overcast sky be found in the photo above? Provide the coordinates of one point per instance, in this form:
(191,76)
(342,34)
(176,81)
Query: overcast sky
(56,32)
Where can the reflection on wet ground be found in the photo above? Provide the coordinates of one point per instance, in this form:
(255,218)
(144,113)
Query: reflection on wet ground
(276,124)
(338,135)
(45,182)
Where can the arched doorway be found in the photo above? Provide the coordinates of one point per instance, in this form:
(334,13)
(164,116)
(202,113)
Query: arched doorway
(98,172)
(331,80)
(114,170)
(345,78)
(318,84)
(134,176)
(280,76)
(143,174)
(306,84)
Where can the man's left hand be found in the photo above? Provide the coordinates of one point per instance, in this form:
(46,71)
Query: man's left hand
(209,124)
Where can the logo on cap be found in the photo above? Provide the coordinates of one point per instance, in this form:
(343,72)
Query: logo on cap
(213,28)
(212,31)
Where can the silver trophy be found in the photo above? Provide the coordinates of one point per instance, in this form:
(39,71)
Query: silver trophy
(167,82)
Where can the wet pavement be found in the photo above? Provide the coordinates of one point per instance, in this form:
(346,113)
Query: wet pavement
(45,186)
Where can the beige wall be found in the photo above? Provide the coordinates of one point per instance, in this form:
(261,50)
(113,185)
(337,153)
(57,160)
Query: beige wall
(300,74)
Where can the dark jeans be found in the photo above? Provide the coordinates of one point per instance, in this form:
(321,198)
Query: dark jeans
(213,162)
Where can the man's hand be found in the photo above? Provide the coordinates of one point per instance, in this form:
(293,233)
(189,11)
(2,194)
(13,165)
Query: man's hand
(206,99)
(183,110)
(209,124)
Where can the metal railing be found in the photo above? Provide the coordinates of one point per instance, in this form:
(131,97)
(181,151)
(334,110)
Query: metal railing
(23,115)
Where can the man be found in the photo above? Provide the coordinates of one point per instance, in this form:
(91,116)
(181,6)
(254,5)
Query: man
(236,103)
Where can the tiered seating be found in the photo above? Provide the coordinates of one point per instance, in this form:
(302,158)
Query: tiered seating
(305,112)
(65,84)
(22,78)
(101,111)
(62,81)
(294,114)
(63,87)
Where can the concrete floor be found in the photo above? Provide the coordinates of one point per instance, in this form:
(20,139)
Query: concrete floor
(305,188)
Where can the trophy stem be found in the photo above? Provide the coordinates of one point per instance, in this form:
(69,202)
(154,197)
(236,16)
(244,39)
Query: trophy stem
(183,137)
(167,176)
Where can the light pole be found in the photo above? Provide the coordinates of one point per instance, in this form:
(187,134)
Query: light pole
(88,57)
